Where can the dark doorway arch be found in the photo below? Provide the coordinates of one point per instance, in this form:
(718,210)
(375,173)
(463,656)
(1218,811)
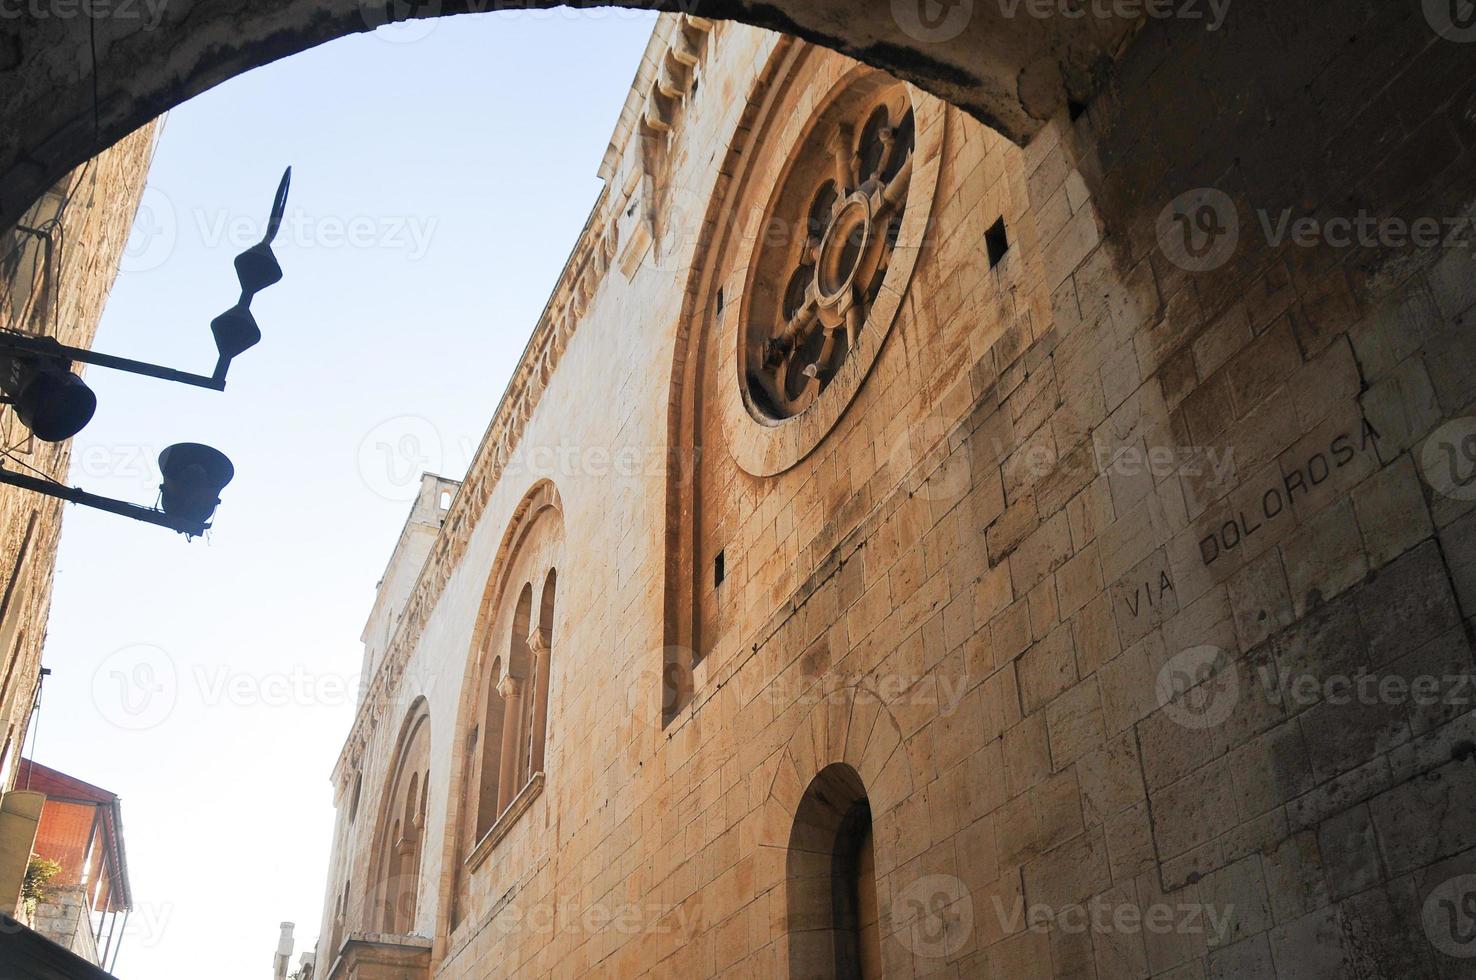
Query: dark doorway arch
(833,914)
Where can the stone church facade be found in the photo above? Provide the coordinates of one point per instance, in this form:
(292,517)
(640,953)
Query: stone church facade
(901,552)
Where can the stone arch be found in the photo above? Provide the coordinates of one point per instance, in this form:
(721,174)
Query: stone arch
(62,104)
(399,839)
(503,659)
(848,733)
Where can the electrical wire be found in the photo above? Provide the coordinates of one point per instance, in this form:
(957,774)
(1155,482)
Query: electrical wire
(39,472)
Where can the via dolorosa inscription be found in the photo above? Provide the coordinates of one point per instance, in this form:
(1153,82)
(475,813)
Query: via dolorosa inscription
(1277,500)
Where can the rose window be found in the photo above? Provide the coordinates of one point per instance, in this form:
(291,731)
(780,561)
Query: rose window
(826,249)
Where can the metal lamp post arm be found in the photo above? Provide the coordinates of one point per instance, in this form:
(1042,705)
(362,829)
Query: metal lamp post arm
(47,347)
(146,514)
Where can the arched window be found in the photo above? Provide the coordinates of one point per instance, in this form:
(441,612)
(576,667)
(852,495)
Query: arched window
(510,675)
(401,838)
(340,919)
(517,706)
(489,748)
(540,644)
(834,926)
(517,691)
(354,797)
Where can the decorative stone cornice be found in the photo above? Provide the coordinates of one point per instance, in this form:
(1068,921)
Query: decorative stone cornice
(675,43)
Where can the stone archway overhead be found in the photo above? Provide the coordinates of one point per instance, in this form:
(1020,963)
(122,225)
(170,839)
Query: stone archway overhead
(1001,62)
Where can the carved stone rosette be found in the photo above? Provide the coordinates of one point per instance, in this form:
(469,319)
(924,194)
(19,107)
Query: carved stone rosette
(843,215)
(835,201)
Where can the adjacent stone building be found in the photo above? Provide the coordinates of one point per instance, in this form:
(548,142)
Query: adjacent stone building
(56,269)
(901,552)
(84,907)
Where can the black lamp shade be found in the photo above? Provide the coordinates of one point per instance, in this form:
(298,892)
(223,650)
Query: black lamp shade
(54,403)
(193,478)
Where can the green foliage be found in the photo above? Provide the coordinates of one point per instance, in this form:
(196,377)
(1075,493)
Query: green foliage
(39,871)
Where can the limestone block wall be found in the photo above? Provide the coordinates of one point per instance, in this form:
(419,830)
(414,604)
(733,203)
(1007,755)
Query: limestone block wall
(65,920)
(1135,583)
(61,296)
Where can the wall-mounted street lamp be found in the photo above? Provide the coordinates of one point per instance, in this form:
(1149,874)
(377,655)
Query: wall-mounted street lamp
(55,404)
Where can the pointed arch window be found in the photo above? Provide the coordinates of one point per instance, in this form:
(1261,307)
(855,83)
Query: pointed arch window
(400,840)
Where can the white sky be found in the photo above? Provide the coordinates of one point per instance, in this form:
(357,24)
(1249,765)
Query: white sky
(441,175)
